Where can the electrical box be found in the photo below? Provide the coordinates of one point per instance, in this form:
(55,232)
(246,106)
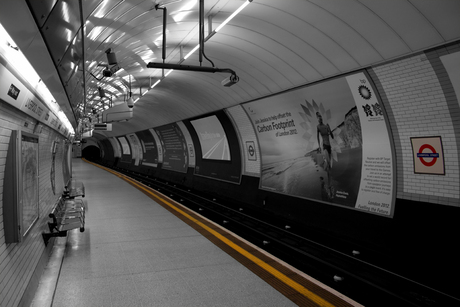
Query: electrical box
(117,113)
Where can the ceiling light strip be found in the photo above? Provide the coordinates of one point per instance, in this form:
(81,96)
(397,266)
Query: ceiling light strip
(211,34)
(154,84)
(233,15)
(238,10)
(192,51)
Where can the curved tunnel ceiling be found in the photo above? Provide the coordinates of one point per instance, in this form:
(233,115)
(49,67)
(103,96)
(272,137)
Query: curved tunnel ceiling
(272,45)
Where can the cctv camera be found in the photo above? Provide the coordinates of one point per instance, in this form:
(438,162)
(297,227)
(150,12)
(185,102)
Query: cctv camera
(111,57)
(130,102)
(101,92)
(107,73)
(233,79)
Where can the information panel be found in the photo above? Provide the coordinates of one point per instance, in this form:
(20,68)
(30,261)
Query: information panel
(175,156)
(327,142)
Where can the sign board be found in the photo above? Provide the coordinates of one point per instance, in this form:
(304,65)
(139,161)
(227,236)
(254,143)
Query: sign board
(103,127)
(428,155)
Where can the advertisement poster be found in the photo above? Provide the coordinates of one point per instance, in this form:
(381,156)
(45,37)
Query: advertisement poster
(29,164)
(319,143)
(126,151)
(213,141)
(188,139)
(377,188)
(53,167)
(134,144)
(149,148)
(116,147)
(175,155)
(159,147)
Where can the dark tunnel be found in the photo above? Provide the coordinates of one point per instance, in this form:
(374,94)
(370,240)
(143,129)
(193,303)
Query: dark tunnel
(91,153)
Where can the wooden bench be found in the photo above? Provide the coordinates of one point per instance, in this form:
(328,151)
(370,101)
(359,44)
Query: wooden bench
(66,215)
(74,188)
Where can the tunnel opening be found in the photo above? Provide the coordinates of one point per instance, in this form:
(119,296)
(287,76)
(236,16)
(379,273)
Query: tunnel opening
(91,153)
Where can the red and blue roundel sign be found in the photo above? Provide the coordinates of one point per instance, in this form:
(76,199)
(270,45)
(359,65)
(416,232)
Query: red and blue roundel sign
(428,155)
(422,155)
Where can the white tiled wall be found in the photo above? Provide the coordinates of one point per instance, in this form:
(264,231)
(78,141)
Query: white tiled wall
(418,107)
(19,261)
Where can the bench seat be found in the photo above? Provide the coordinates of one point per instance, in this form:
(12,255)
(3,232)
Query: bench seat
(67,214)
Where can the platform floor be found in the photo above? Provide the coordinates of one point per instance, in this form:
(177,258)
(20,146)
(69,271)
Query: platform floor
(137,252)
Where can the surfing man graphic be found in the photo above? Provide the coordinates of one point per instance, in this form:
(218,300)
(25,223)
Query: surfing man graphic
(326,150)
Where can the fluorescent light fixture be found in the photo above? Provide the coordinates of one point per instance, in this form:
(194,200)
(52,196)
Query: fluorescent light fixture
(100,10)
(189,5)
(65,12)
(221,25)
(155,84)
(159,80)
(16,59)
(95,32)
(179,16)
(192,51)
(91,65)
(233,15)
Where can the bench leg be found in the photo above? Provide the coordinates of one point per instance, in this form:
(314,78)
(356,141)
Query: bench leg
(48,236)
(52,226)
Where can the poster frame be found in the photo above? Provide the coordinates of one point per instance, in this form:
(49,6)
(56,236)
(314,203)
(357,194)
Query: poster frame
(15,227)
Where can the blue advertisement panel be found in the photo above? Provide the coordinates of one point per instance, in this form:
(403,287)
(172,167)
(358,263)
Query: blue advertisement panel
(327,142)
(175,155)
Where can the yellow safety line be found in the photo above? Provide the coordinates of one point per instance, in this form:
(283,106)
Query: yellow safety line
(293,284)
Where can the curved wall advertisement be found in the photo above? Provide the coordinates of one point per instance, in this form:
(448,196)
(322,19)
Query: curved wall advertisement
(212,137)
(149,147)
(174,146)
(327,142)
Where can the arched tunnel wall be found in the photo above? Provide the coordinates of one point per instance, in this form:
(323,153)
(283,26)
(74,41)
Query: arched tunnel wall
(417,100)
(420,100)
